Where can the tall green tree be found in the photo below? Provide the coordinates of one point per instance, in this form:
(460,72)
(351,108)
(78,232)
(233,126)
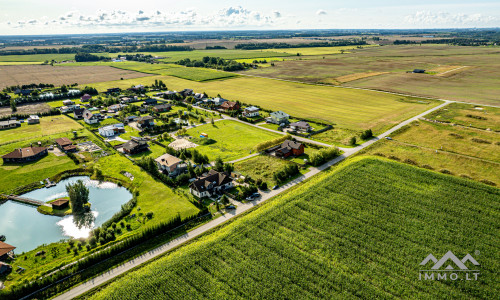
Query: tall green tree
(79,197)
(13,105)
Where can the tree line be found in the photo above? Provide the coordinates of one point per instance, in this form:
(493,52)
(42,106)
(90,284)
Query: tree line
(255,46)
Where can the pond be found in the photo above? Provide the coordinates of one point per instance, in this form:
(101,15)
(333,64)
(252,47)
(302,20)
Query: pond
(26,228)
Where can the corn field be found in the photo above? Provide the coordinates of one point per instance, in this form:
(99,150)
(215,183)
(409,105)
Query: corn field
(359,231)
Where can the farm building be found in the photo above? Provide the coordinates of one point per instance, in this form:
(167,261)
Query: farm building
(301,126)
(89,117)
(170,164)
(213,183)
(9,124)
(85,98)
(288,148)
(68,102)
(279,117)
(112,130)
(135,145)
(145,122)
(65,144)
(150,101)
(5,250)
(60,204)
(230,105)
(186,92)
(251,111)
(116,107)
(27,154)
(162,108)
(418,71)
(33,119)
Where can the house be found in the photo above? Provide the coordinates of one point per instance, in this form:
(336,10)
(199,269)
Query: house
(288,148)
(6,250)
(68,102)
(150,101)
(9,124)
(301,126)
(170,164)
(27,154)
(218,101)
(60,204)
(65,144)
(33,119)
(212,183)
(111,130)
(116,107)
(230,105)
(418,71)
(129,119)
(24,92)
(279,117)
(251,111)
(128,99)
(66,109)
(145,122)
(5,268)
(162,108)
(85,98)
(137,88)
(135,145)
(186,92)
(89,117)
(199,96)
(143,110)
(112,90)
(78,112)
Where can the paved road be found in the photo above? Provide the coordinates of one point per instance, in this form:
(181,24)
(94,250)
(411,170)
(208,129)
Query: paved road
(103,278)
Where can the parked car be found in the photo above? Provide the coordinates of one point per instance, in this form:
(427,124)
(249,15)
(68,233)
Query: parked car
(388,138)
(231,207)
(253,196)
(276,187)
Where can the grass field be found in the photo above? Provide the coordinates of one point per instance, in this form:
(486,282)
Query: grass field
(224,53)
(48,125)
(460,151)
(261,167)
(477,82)
(360,231)
(26,74)
(347,108)
(233,139)
(483,117)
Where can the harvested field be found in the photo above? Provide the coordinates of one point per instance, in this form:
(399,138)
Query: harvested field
(26,74)
(26,109)
(356,76)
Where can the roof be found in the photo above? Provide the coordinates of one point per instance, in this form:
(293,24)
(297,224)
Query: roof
(252,108)
(8,122)
(229,104)
(112,126)
(162,106)
(167,160)
(87,114)
(24,152)
(291,144)
(217,178)
(78,111)
(86,97)
(34,117)
(5,248)
(59,202)
(63,141)
(132,144)
(300,124)
(145,118)
(280,114)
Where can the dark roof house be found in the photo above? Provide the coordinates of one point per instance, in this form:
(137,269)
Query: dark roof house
(25,154)
(290,147)
(65,144)
(5,249)
(162,108)
(301,126)
(135,145)
(230,105)
(212,183)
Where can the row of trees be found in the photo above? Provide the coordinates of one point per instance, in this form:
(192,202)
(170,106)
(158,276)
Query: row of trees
(255,46)
(213,63)
(83,57)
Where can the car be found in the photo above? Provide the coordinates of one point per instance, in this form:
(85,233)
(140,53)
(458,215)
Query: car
(231,207)
(253,196)
(276,187)
(388,138)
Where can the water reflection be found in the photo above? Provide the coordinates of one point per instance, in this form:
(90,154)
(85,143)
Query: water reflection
(78,226)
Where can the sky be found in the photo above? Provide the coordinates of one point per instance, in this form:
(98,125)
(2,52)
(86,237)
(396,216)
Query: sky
(109,16)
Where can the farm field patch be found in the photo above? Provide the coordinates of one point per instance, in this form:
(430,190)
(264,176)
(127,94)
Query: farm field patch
(483,117)
(26,74)
(306,243)
(27,109)
(48,125)
(233,139)
(321,50)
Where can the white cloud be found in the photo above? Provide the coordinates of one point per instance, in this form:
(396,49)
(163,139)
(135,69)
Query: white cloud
(231,16)
(444,18)
(321,12)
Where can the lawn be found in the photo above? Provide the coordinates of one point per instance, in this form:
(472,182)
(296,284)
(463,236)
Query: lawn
(48,125)
(347,108)
(261,167)
(154,151)
(359,231)
(483,117)
(233,139)
(17,175)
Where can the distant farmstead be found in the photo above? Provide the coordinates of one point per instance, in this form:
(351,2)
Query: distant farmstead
(33,119)
(251,111)
(27,154)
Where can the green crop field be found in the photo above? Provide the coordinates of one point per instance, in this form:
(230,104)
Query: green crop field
(347,108)
(48,126)
(224,53)
(233,139)
(359,231)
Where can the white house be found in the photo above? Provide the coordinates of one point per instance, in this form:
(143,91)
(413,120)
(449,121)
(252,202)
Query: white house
(89,117)
(33,119)
(251,111)
(112,130)
(68,102)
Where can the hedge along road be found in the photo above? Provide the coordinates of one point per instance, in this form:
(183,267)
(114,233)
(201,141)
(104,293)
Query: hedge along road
(243,207)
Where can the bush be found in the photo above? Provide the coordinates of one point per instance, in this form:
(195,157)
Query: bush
(324,155)
(427,167)
(352,141)
(485,181)
(268,144)
(445,171)
(367,134)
